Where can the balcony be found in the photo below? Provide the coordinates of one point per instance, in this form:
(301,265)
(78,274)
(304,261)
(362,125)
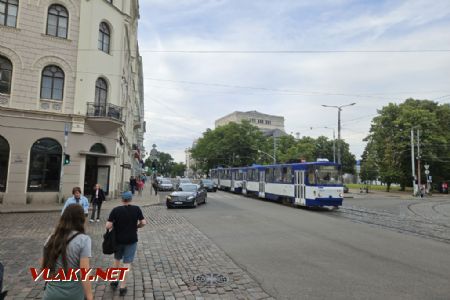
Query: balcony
(105,117)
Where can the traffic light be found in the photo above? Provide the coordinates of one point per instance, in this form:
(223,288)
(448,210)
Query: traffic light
(66,159)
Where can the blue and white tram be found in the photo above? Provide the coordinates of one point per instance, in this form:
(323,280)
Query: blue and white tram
(302,184)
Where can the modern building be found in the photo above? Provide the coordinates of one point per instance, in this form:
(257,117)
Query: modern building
(268,124)
(71,98)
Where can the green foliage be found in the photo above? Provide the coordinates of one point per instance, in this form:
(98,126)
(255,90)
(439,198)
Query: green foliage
(388,152)
(177,169)
(165,165)
(238,145)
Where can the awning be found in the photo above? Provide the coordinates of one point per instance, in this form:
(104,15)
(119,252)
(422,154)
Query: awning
(98,154)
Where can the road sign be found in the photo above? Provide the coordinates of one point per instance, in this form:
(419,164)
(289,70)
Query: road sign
(427,172)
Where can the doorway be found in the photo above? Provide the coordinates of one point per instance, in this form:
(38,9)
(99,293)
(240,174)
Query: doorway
(94,174)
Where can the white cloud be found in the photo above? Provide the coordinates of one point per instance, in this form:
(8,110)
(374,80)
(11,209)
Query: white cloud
(178,112)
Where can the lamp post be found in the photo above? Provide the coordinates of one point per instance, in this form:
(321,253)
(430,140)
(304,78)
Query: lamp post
(339,108)
(273,157)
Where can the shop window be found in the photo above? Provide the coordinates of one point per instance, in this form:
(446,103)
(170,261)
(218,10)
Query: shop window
(45,166)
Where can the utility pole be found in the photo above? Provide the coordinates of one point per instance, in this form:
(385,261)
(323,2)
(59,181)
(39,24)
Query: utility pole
(418,160)
(274,149)
(61,175)
(334,147)
(413,163)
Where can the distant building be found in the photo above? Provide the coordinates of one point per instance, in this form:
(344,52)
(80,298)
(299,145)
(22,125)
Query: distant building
(268,124)
(190,162)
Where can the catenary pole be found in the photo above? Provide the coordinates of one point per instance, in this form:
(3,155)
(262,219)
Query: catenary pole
(413,163)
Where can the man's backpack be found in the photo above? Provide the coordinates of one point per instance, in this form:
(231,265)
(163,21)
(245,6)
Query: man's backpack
(109,244)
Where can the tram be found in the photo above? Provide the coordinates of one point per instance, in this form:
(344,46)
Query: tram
(312,184)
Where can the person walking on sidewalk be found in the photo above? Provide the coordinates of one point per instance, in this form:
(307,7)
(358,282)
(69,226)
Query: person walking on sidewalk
(155,185)
(79,199)
(98,196)
(133,184)
(68,247)
(125,219)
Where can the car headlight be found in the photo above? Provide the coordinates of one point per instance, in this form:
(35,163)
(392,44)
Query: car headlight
(191,198)
(169,197)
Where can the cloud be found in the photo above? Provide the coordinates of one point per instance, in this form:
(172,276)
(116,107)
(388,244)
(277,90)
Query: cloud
(181,100)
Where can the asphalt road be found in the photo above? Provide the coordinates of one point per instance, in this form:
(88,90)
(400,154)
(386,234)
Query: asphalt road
(307,254)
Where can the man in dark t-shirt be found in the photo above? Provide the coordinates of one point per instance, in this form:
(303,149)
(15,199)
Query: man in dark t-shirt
(125,219)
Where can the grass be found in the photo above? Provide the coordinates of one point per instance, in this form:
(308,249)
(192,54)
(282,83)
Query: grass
(378,187)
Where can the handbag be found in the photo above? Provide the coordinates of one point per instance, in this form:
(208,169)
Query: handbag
(109,244)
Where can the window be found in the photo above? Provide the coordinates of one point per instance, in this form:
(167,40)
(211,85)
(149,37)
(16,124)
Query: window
(57,21)
(8,12)
(98,148)
(5,75)
(101,92)
(287,174)
(277,175)
(269,175)
(52,85)
(45,166)
(4,160)
(268,122)
(260,121)
(104,37)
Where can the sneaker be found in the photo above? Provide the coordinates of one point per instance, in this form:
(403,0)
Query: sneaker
(122,291)
(98,220)
(91,220)
(114,284)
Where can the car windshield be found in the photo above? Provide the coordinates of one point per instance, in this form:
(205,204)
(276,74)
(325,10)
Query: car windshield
(327,175)
(207,181)
(188,187)
(166,181)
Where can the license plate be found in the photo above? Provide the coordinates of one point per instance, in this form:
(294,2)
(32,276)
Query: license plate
(178,202)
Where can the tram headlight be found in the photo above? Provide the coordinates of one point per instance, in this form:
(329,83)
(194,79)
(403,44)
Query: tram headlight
(340,195)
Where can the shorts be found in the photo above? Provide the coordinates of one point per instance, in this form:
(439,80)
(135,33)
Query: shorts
(126,252)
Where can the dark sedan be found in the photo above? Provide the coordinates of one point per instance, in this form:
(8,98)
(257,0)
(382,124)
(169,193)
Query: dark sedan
(209,185)
(188,195)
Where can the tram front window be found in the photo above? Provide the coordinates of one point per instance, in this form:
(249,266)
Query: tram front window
(327,175)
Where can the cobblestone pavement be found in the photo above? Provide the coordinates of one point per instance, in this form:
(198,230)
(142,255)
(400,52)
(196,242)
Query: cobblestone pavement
(426,218)
(170,253)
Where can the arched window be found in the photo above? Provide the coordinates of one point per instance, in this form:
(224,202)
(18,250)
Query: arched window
(5,75)
(52,85)
(98,148)
(57,21)
(8,12)
(104,37)
(45,166)
(4,160)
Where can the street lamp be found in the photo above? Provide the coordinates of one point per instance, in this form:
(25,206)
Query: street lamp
(273,157)
(339,108)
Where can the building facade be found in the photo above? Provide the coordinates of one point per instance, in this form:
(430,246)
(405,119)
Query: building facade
(266,123)
(71,99)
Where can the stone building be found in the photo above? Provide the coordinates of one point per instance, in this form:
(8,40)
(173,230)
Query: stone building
(71,98)
(268,124)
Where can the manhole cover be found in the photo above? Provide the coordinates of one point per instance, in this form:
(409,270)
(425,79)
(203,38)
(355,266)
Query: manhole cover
(211,279)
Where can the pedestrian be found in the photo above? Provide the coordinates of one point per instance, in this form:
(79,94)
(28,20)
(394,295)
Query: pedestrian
(133,184)
(155,185)
(422,191)
(125,219)
(77,198)
(68,247)
(140,186)
(98,196)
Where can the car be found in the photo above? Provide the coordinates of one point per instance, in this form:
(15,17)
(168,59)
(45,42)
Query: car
(183,181)
(165,184)
(188,195)
(345,189)
(209,185)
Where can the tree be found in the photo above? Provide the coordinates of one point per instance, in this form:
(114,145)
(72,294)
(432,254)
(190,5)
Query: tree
(177,169)
(389,139)
(229,145)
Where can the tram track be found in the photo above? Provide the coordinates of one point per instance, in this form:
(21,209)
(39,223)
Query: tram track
(415,225)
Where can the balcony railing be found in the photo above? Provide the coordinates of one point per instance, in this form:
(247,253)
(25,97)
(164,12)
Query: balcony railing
(108,110)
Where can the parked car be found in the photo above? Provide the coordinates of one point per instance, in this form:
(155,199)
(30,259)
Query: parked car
(345,189)
(209,185)
(188,195)
(165,184)
(183,181)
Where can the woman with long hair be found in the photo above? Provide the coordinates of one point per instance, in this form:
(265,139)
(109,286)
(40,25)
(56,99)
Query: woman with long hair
(68,247)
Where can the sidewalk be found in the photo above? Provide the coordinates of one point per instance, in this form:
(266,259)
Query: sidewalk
(355,193)
(146,199)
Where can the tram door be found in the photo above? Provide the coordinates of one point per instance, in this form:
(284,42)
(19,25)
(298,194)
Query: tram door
(233,178)
(299,188)
(244,183)
(262,184)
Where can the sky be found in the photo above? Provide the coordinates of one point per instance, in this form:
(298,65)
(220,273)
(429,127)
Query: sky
(204,59)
